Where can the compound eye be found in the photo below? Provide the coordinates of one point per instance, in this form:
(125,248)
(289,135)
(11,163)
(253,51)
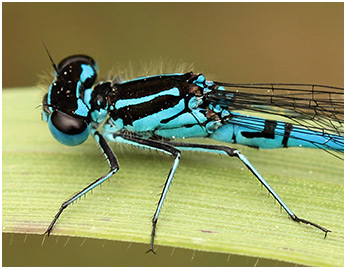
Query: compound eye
(68,130)
(77,59)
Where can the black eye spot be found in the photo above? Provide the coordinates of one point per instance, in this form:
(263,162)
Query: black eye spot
(68,124)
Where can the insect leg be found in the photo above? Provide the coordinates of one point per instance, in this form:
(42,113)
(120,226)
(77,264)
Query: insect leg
(232,152)
(161,146)
(114,167)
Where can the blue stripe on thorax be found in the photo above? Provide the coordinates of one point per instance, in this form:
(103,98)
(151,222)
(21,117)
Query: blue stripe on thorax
(153,121)
(135,101)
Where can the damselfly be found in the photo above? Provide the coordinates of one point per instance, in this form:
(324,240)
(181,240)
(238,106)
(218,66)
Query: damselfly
(149,112)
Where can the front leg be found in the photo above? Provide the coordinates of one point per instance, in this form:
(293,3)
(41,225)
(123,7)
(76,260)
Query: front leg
(114,167)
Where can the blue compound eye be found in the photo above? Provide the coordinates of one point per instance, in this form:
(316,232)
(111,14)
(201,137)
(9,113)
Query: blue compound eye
(67,129)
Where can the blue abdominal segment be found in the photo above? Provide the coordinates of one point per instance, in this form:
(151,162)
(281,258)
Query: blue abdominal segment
(269,134)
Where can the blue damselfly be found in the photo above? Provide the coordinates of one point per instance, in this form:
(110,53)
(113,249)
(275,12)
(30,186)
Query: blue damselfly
(150,112)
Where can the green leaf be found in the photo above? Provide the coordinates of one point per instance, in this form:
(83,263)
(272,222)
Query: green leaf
(215,204)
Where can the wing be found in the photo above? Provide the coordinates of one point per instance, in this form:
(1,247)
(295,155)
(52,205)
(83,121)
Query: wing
(317,108)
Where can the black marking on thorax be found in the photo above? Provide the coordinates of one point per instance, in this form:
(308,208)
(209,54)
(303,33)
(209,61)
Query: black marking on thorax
(146,87)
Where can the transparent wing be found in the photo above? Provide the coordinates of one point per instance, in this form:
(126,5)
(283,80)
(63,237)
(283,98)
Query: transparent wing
(317,108)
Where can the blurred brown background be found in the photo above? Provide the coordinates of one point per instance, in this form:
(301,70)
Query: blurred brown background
(233,42)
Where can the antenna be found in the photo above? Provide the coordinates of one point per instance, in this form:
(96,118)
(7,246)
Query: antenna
(50,57)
